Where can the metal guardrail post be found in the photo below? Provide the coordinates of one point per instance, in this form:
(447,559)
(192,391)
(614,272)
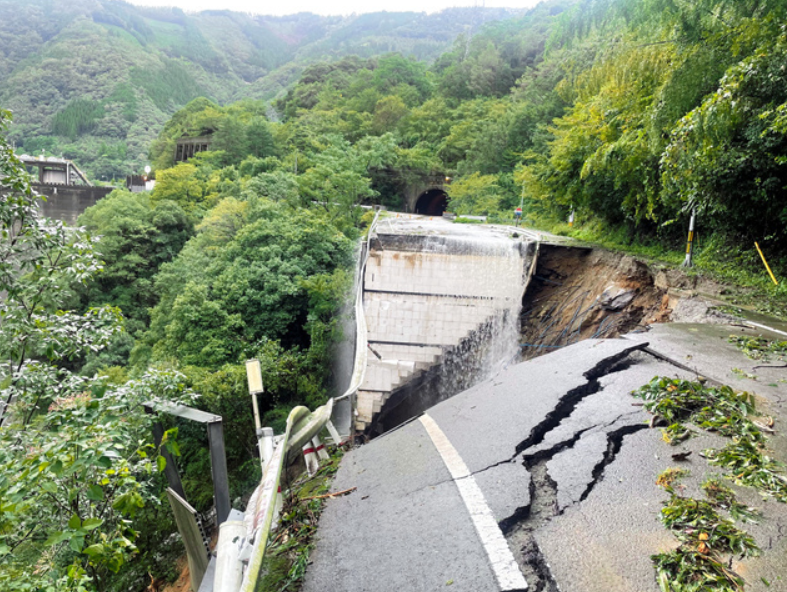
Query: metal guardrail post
(218,459)
(170,468)
(218,469)
(188,527)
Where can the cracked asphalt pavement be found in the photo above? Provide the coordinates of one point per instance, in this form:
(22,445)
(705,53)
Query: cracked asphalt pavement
(566,464)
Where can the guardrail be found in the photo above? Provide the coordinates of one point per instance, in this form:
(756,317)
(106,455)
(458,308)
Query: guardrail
(243,543)
(345,400)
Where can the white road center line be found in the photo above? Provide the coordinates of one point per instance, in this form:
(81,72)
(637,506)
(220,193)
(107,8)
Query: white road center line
(506,570)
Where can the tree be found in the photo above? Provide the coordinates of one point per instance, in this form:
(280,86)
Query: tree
(241,280)
(475,194)
(73,452)
(727,155)
(182,185)
(259,138)
(136,239)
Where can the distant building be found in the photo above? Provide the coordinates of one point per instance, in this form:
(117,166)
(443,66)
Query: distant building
(138,183)
(54,171)
(66,191)
(185,148)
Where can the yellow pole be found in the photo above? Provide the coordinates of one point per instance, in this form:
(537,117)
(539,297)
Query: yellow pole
(766,263)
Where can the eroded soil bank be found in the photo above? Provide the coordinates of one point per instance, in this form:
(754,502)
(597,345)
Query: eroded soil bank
(580,293)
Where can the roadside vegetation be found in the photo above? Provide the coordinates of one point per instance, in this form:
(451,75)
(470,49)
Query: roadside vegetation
(706,529)
(629,113)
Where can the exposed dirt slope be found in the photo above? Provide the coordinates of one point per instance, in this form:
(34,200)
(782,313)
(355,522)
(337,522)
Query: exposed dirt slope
(579,293)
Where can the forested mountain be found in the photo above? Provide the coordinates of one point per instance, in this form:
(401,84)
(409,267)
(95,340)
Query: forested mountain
(629,113)
(95,80)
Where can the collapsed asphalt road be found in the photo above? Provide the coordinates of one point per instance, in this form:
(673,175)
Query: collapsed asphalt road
(539,478)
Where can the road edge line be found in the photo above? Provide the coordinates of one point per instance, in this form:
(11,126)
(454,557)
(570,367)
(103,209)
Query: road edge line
(504,566)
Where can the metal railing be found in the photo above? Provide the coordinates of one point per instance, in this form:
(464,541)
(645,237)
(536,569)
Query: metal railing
(345,401)
(243,545)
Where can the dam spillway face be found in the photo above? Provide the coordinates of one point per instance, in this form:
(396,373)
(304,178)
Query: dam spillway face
(433,303)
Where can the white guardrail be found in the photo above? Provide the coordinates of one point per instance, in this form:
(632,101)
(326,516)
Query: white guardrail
(241,546)
(242,542)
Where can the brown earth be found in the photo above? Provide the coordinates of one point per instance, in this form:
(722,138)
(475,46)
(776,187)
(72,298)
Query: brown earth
(182,584)
(580,293)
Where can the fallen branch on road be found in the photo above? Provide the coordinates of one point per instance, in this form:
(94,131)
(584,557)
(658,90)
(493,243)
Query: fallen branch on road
(327,495)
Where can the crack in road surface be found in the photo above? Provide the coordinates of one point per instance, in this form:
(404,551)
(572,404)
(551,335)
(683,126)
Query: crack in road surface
(521,525)
(568,402)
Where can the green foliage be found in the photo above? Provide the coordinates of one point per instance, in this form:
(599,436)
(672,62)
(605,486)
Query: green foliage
(759,348)
(228,289)
(749,464)
(75,465)
(136,239)
(168,86)
(476,194)
(722,410)
(705,537)
(79,117)
(724,156)
(717,409)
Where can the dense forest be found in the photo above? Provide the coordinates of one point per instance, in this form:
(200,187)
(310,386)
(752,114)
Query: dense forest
(630,113)
(94,80)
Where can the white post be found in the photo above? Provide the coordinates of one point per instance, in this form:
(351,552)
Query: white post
(337,439)
(687,262)
(319,447)
(310,456)
(265,443)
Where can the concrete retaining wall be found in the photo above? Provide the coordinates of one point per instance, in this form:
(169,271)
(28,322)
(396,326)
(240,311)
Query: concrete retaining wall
(67,202)
(423,296)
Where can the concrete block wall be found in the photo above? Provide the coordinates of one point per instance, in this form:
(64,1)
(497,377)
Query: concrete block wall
(419,304)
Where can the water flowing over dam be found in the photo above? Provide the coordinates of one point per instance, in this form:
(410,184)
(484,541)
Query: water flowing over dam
(441,304)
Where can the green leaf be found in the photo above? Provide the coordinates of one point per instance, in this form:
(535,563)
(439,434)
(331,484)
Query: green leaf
(161,462)
(94,551)
(49,487)
(95,493)
(76,543)
(57,468)
(173,447)
(129,503)
(92,523)
(57,537)
(74,523)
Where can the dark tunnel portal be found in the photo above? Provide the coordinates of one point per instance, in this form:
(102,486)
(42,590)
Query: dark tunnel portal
(432,203)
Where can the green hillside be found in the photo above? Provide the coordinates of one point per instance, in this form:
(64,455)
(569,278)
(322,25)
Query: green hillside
(629,114)
(95,80)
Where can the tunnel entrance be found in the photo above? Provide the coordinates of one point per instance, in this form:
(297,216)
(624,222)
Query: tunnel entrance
(432,203)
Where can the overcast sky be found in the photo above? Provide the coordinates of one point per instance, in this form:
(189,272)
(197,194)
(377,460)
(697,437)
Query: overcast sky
(330,7)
